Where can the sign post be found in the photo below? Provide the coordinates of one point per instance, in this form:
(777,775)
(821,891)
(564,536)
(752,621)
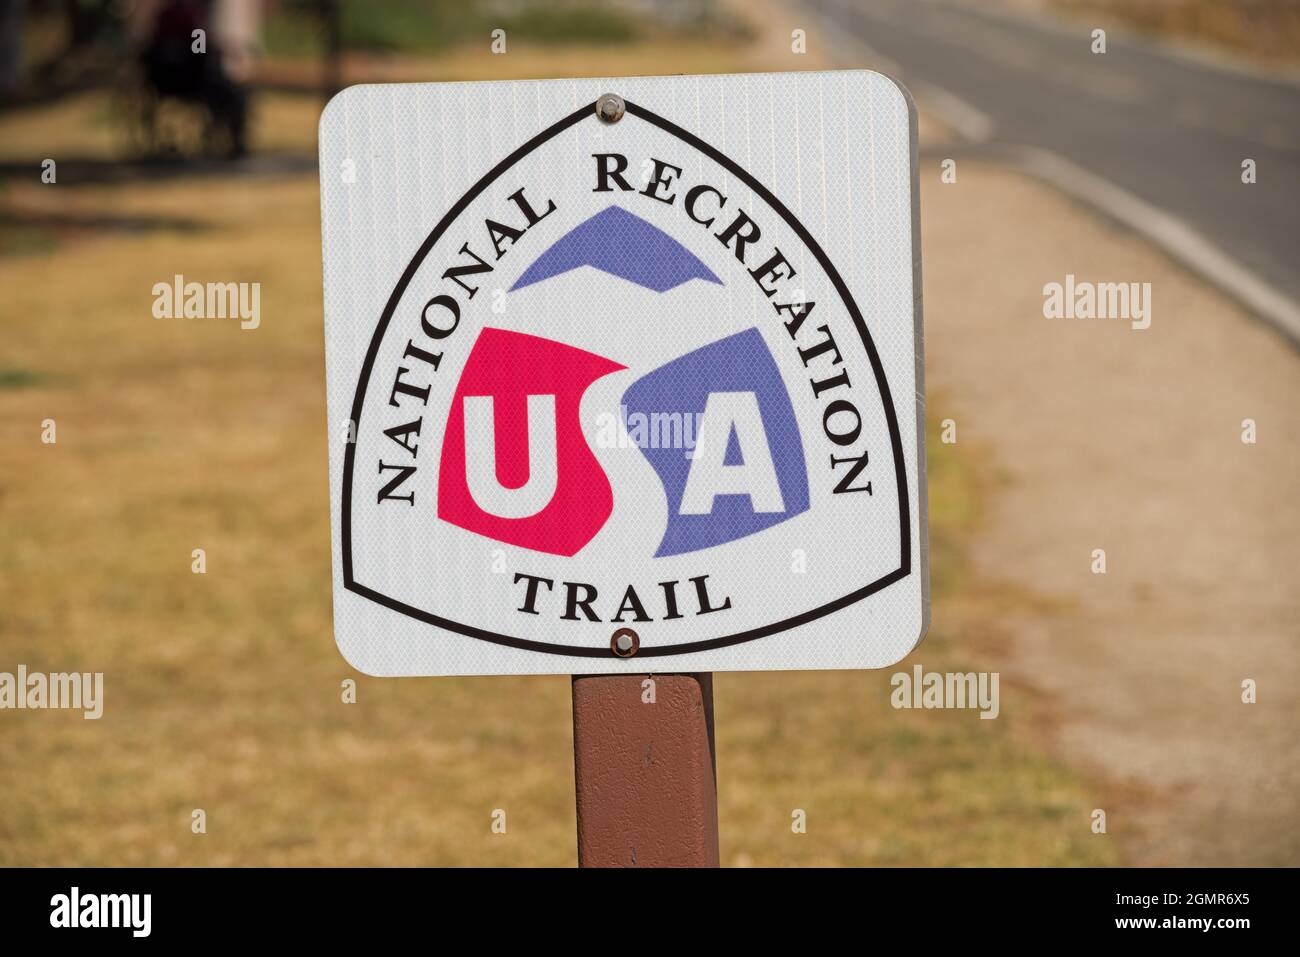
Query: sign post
(645,770)
(625,383)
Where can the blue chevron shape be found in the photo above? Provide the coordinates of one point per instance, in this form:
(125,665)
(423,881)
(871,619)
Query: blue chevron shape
(624,245)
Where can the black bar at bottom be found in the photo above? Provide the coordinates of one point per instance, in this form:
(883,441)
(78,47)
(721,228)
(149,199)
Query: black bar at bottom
(335,906)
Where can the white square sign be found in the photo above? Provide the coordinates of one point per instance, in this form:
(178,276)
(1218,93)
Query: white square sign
(625,374)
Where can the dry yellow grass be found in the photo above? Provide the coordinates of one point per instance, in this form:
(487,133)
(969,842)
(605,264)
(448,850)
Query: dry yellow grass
(1264,30)
(223,689)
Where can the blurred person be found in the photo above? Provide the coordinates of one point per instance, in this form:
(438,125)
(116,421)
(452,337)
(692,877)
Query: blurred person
(11,52)
(215,78)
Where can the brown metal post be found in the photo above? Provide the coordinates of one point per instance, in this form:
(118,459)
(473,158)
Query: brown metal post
(646,773)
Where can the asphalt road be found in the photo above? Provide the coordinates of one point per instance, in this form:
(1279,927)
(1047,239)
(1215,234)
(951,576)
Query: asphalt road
(1171,130)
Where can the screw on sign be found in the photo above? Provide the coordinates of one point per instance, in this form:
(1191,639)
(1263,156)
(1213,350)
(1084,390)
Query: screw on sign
(663,362)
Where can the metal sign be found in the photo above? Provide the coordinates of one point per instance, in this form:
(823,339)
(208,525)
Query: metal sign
(625,374)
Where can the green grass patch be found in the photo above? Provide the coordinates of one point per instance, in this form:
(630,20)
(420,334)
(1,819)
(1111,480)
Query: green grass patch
(414,27)
(11,378)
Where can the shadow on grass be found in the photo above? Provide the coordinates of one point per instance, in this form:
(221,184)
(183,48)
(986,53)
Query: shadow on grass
(88,171)
(39,232)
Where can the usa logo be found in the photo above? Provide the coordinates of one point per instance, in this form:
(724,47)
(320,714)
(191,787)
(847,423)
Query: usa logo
(621,387)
